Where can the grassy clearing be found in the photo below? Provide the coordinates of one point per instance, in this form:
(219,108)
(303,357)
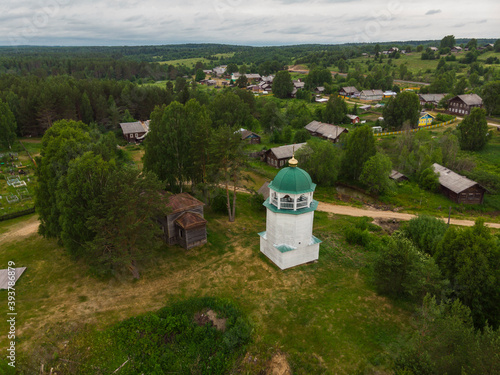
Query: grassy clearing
(191,62)
(326,315)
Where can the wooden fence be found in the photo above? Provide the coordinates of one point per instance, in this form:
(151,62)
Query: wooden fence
(417,129)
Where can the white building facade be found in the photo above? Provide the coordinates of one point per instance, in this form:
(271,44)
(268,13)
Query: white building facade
(288,240)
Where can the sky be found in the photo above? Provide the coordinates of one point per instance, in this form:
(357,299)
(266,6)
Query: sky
(257,22)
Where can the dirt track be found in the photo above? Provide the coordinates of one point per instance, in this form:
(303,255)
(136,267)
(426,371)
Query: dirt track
(353,211)
(20,230)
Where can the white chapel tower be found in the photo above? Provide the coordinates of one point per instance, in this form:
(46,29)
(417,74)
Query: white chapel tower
(288,240)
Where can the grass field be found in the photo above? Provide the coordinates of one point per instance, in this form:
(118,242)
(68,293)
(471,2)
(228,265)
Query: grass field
(191,62)
(325,316)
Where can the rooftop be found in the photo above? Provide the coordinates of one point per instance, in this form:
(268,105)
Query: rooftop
(451,180)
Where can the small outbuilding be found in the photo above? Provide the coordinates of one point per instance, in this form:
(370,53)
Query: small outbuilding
(250,136)
(184,224)
(397,176)
(135,131)
(279,156)
(326,131)
(459,188)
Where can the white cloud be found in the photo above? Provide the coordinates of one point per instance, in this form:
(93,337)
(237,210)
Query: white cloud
(72,22)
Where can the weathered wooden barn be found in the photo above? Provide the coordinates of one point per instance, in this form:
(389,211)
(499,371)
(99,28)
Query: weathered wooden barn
(250,136)
(184,224)
(397,176)
(326,131)
(459,188)
(135,131)
(279,156)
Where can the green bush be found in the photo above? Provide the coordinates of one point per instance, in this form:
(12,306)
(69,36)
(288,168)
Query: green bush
(400,270)
(356,236)
(425,232)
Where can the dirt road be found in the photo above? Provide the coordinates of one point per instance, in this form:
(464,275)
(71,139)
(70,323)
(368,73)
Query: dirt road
(353,211)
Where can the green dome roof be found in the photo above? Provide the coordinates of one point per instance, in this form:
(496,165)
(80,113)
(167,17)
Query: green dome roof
(292,180)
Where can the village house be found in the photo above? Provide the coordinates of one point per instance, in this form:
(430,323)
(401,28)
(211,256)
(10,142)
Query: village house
(319,90)
(456,49)
(432,99)
(278,156)
(463,104)
(220,70)
(184,224)
(135,131)
(371,95)
(434,49)
(354,119)
(459,188)
(326,131)
(249,136)
(349,92)
(425,119)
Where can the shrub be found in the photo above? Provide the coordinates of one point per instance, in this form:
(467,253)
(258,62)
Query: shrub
(425,232)
(400,270)
(356,236)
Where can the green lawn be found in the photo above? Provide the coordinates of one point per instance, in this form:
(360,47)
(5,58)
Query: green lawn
(191,62)
(324,316)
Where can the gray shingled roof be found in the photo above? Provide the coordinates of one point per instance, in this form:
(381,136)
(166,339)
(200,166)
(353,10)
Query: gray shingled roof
(395,175)
(451,180)
(372,92)
(350,89)
(134,127)
(432,97)
(264,190)
(470,99)
(326,130)
(284,152)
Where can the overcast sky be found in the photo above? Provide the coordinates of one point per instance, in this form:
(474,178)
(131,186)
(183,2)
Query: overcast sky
(257,22)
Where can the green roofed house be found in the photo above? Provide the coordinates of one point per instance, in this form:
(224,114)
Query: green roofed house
(288,240)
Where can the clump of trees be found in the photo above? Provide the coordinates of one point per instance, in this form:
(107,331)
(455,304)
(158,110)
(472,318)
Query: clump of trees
(200,146)
(473,131)
(93,201)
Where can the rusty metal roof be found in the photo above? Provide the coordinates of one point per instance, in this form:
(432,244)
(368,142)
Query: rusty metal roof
(190,220)
(182,202)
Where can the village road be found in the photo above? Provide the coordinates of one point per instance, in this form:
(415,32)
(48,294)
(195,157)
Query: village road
(379,214)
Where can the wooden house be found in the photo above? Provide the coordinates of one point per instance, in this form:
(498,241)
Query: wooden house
(249,136)
(354,119)
(349,92)
(463,104)
(135,131)
(371,95)
(278,156)
(184,223)
(459,188)
(319,90)
(432,99)
(326,131)
(425,119)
